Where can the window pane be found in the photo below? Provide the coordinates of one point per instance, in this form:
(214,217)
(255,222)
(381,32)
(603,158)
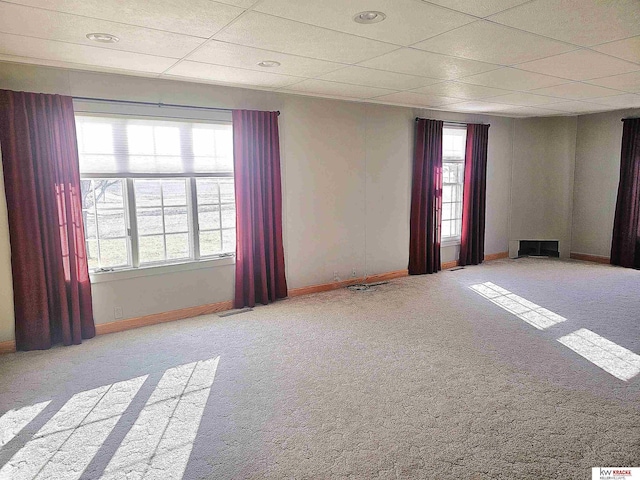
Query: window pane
(447,193)
(175,220)
(207,191)
(446,228)
(149,221)
(175,192)
(111,224)
(210,243)
(228,216)
(109,193)
(208,217)
(113,253)
(92,254)
(178,246)
(89,219)
(86,190)
(151,249)
(229,240)
(148,193)
(447,211)
(226,191)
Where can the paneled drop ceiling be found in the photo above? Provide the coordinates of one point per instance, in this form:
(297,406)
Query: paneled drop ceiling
(504,57)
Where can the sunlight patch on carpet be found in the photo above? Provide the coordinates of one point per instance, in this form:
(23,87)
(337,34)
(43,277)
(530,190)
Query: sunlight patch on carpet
(15,420)
(533,314)
(609,356)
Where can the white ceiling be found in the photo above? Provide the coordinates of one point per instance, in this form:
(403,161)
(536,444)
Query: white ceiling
(504,57)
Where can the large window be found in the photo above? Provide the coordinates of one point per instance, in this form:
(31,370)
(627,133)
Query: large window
(155,191)
(453,152)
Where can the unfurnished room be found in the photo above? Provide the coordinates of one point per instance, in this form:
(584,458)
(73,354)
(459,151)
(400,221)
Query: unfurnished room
(295,239)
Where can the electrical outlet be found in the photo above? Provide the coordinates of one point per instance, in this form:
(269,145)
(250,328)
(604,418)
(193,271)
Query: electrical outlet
(117,313)
(353,273)
(336,278)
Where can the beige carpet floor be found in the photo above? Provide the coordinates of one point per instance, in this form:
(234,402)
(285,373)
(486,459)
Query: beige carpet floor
(419,378)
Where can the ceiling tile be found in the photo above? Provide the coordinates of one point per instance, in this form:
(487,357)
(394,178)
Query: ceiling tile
(35,22)
(461,90)
(578,107)
(67,52)
(626,100)
(407,21)
(417,99)
(230,75)
(530,112)
(377,78)
(489,42)
(201,18)
(575,91)
(629,82)
(580,65)
(628,49)
(479,8)
(478,106)
(274,33)
(239,3)
(220,53)
(513,79)
(323,87)
(581,22)
(525,99)
(427,64)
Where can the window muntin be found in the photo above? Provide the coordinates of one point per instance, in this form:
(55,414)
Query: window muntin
(453,156)
(175,200)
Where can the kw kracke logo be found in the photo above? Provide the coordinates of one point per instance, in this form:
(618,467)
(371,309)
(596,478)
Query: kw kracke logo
(615,473)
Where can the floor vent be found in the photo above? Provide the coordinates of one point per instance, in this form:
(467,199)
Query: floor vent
(235,312)
(455,269)
(360,287)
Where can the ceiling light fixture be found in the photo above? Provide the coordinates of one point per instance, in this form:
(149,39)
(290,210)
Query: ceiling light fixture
(269,64)
(103,37)
(369,17)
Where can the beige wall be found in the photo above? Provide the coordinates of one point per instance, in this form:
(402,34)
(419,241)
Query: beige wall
(542,180)
(599,142)
(346,170)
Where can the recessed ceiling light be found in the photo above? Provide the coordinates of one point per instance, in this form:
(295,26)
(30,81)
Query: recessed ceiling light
(369,17)
(103,37)
(269,64)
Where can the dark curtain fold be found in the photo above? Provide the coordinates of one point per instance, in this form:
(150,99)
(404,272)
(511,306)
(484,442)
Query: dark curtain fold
(625,246)
(260,275)
(52,292)
(426,198)
(474,198)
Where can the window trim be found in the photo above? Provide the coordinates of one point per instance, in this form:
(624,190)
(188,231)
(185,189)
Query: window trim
(454,240)
(98,108)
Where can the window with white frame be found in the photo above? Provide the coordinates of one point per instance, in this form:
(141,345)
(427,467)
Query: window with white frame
(155,191)
(453,153)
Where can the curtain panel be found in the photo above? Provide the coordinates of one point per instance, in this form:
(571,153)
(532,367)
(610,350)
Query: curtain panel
(260,274)
(625,245)
(52,292)
(474,198)
(426,198)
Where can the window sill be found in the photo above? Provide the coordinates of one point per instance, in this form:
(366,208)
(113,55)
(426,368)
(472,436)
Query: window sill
(450,242)
(124,274)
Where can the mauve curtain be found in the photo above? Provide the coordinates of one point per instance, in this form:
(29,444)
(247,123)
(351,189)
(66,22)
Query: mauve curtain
(260,275)
(426,198)
(51,288)
(625,247)
(474,198)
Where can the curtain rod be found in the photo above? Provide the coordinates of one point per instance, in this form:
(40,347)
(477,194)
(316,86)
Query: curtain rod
(159,104)
(454,123)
